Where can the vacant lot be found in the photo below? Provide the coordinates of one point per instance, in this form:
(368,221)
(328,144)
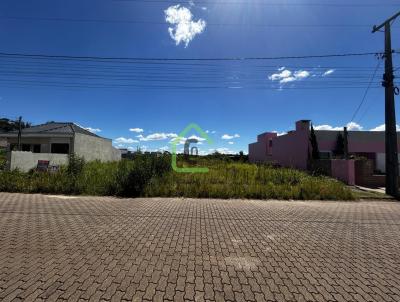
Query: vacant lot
(197,249)
(150,175)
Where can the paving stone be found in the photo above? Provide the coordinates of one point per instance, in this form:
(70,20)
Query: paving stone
(166,249)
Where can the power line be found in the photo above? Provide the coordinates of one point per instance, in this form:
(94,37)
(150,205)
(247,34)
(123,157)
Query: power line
(280,4)
(82,20)
(128,59)
(366,91)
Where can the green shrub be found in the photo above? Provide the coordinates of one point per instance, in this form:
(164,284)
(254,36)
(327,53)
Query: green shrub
(151,175)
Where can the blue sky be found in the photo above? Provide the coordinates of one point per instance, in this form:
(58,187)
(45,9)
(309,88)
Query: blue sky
(233,100)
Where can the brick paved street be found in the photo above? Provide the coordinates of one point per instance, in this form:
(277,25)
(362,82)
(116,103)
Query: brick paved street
(93,248)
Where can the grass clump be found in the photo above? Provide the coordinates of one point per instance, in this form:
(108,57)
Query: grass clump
(151,175)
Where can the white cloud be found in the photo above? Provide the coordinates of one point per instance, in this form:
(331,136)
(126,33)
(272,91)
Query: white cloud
(222,151)
(383,128)
(227,136)
(200,139)
(230,143)
(286,75)
(328,72)
(352,126)
(137,130)
(156,136)
(184,29)
(279,133)
(93,130)
(301,74)
(123,140)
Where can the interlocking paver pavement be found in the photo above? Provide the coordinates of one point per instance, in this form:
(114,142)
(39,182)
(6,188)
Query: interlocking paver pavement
(99,248)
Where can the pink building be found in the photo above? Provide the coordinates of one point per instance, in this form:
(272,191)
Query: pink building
(293,148)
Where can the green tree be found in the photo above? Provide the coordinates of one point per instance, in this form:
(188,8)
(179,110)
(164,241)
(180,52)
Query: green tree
(314,144)
(339,150)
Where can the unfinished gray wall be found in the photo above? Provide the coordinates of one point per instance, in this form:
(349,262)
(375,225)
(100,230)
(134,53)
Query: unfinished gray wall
(45,142)
(24,161)
(95,148)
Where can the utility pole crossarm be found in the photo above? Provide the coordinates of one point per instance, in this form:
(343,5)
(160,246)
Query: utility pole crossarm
(376,28)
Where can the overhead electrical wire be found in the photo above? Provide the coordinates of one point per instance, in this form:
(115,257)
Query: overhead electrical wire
(128,59)
(366,91)
(112,21)
(254,3)
(80,72)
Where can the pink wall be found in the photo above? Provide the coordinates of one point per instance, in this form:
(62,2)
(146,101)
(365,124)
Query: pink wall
(291,150)
(343,170)
(260,151)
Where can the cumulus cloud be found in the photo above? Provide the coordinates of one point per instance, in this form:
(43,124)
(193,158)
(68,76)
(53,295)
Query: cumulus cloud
(137,130)
(93,130)
(230,143)
(200,139)
(123,140)
(352,126)
(228,137)
(383,128)
(183,29)
(222,151)
(285,75)
(328,72)
(156,136)
(279,133)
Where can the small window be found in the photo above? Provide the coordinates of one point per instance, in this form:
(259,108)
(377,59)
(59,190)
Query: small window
(26,147)
(60,148)
(270,143)
(36,148)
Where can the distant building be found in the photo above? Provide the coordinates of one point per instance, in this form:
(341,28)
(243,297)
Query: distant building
(294,149)
(54,141)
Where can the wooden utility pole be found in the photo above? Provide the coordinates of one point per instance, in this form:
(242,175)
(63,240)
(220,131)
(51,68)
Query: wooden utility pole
(392,162)
(19,133)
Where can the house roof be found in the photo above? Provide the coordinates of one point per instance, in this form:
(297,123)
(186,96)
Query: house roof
(54,128)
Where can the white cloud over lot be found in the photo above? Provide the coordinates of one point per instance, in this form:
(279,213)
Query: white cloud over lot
(279,133)
(328,72)
(123,140)
(156,136)
(352,126)
(228,137)
(230,143)
(286,76)
(183,29)
(200,139)
(383,128)
(136,130)
(222,151)
(93,130)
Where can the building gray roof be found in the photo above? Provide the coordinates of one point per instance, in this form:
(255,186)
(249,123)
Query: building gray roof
(55,128)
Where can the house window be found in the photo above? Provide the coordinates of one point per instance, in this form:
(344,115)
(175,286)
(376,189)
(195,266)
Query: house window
(270,143)
(26,147)
(60,148)
(36,148)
